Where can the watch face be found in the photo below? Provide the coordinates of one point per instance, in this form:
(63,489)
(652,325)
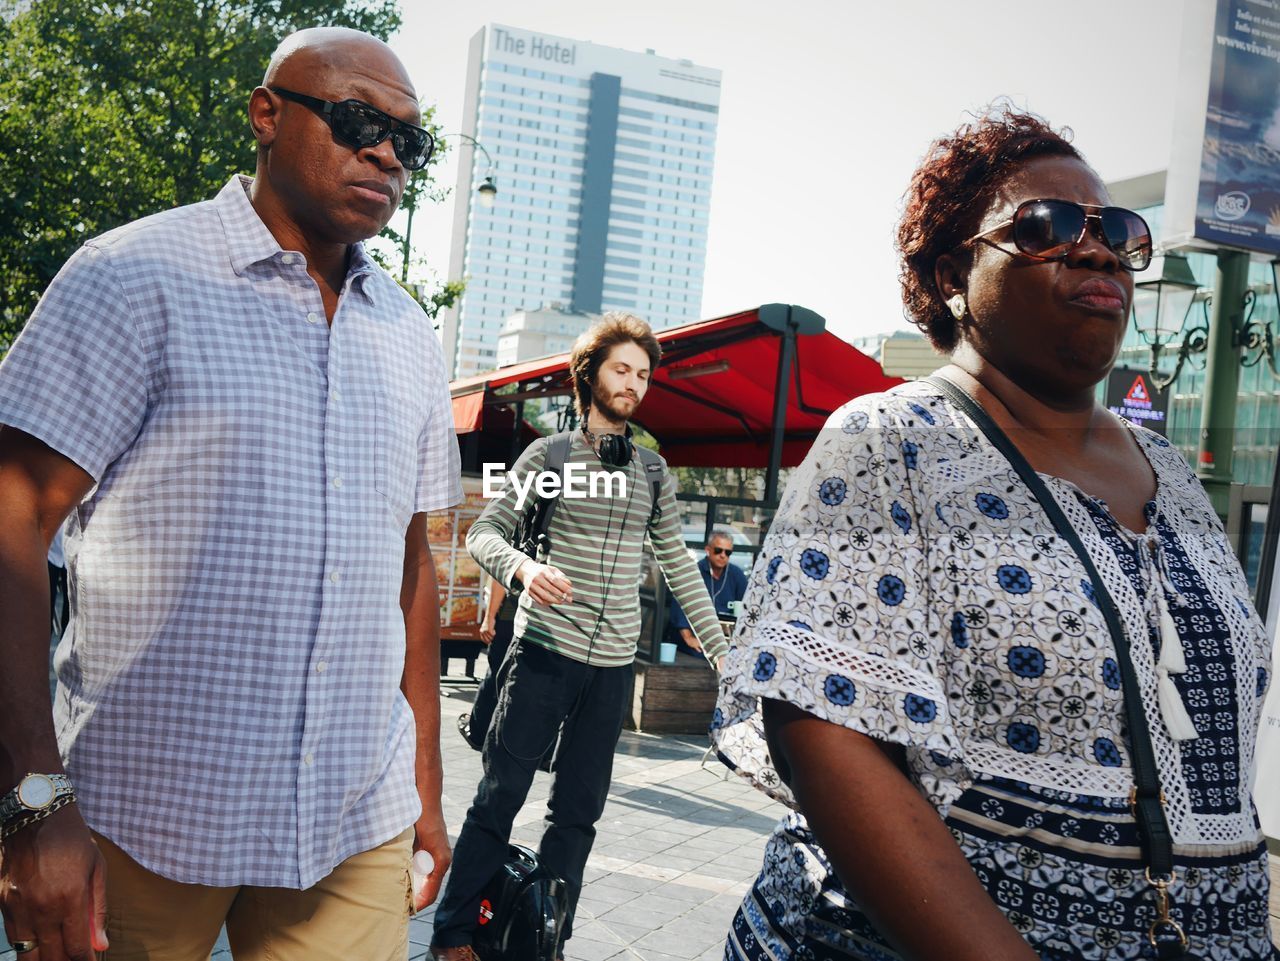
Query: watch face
(36,791)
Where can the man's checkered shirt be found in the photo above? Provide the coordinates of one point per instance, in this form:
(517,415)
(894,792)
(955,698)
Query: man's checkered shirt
(228,697)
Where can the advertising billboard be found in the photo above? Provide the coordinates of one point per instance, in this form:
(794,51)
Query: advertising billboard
(458,575)
(1224,175)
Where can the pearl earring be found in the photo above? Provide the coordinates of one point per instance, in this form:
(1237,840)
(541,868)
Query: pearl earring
(957,305)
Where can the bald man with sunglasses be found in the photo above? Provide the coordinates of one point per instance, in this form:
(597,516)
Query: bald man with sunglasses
(246,421)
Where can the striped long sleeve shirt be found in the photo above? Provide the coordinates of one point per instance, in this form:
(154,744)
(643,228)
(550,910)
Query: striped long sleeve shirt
(597,541)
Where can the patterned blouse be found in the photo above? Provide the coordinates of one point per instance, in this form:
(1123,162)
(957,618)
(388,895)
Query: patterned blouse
(911,589)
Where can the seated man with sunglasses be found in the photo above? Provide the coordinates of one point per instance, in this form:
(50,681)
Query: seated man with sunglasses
(725,583)
(241,735)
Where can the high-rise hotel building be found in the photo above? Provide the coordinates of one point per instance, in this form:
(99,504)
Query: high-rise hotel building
(603,160)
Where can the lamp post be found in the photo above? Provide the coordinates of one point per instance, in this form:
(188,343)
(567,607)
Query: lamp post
(1229,339)
(1161,307)
(487,190)
(1222,379)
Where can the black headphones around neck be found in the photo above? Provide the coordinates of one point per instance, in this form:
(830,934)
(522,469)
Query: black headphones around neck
(614,450)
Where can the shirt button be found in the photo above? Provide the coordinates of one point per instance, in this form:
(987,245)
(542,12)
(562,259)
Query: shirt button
(333,395)
(308,759)
(288,259)
(335,576)
(322,667)
(337,482)
(313,318)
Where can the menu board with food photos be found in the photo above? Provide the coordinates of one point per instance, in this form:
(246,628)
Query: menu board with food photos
(459,576)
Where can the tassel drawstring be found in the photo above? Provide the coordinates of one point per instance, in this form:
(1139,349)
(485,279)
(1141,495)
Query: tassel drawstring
(1172,658)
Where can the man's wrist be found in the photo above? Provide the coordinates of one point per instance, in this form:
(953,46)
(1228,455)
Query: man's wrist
(520,569)
(33,799)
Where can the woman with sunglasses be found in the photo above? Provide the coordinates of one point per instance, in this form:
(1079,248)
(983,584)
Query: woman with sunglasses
(925,669)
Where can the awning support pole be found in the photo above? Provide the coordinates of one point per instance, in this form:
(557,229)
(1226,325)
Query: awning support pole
(516,423)
(782,385)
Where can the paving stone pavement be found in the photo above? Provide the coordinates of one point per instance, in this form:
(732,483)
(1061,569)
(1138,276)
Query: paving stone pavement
(676,849)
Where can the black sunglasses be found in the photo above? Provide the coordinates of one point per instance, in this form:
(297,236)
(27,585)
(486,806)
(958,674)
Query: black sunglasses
(1048,229)
(722,550)
(358,124)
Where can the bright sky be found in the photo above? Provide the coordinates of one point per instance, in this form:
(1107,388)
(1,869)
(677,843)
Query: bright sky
(827,106)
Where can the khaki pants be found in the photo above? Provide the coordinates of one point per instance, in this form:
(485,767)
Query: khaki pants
(360,911)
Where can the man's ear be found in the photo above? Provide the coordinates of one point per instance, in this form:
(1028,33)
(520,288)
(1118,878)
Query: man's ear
(264,116)
(951,275)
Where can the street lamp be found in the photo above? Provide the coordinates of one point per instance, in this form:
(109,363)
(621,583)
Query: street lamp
(1229,338)
(1257,336)
(487,190)
(1160,310)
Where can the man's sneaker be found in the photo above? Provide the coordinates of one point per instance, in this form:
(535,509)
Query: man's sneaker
(464,728)
(463,953)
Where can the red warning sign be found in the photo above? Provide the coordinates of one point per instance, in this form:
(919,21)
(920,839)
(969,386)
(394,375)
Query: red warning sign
(1131,394)
(486,912)
(1138,393)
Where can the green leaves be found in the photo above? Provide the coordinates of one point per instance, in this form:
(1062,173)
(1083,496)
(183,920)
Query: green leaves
(116,109)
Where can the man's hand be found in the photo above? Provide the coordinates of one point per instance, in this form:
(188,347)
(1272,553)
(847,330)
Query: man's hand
(52,877)
(420,601)
(487,630)
(430,835)
(690,638)
(53,889)
(546,585)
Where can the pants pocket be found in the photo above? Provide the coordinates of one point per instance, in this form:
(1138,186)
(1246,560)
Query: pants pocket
(531,701)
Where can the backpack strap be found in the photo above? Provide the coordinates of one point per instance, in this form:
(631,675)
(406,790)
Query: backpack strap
(655,469)
(544,508)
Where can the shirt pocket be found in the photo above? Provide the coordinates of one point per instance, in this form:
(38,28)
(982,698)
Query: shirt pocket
(398,424)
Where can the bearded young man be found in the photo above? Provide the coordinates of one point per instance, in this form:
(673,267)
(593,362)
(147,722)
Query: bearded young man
(570,673)
(244,733)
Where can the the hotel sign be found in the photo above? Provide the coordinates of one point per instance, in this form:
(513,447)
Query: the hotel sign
(1224,175)
(1131,394)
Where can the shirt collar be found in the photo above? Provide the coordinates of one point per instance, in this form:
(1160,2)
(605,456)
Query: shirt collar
(249,242)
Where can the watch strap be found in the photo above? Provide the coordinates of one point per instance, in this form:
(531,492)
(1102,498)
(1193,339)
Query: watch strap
(11,828)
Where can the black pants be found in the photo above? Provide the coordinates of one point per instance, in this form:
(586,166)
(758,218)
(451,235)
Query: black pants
(541,691)
(487,696)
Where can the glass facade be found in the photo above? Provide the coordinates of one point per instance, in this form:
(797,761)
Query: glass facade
(604,161)
(1258,408)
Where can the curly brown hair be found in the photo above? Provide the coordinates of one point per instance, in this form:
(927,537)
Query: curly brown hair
(948,196)
(592,347)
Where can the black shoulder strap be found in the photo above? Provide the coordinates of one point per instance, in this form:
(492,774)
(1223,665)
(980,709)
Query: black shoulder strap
(655,469)
(1157,841)
(545,507)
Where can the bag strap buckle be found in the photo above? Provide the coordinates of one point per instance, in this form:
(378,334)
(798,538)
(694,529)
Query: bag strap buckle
(1163,920)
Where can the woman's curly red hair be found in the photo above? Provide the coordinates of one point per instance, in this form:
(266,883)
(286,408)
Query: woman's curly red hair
(950,192)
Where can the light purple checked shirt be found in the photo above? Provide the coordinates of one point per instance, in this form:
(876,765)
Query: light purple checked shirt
(228,698)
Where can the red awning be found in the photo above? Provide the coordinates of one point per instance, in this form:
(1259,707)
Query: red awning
(467,410)
(711,400)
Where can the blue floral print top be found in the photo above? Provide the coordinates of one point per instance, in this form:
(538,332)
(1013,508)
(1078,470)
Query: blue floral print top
(911,589)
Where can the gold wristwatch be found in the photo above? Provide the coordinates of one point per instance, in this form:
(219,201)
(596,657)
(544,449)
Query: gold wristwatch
(35,798)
